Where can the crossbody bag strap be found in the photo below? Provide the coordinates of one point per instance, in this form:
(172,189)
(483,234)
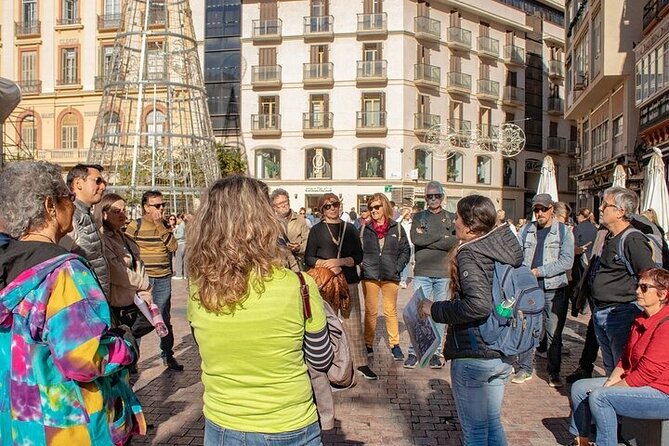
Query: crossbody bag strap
(304,292)
(341,240)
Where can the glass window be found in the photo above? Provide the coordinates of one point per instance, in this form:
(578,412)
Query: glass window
(29,65)
(112,7)
(637,82)
(509,173)
(29,133)
(69,127)
(155,61)
(319,163)
(155,121)
(69,66)
(70,11)
(371,162)
(29,11)
(454,167)
(483,169)
(111,125)
(268,164)
(423,163)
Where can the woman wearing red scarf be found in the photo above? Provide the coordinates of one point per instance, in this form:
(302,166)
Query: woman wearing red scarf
(386,252)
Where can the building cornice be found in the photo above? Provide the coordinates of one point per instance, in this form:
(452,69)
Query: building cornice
(483,13)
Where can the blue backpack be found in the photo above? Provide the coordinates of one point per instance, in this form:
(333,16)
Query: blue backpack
(516,322)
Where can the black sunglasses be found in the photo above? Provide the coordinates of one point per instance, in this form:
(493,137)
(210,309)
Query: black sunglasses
(541,209)
(99,181)
(376,208)
(158,205)
(434,196)
(644,287)
(327,207)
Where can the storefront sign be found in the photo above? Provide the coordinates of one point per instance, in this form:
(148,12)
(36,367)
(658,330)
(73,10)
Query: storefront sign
(317,189)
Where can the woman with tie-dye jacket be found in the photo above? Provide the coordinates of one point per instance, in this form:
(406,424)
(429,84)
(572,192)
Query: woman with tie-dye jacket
(63,377)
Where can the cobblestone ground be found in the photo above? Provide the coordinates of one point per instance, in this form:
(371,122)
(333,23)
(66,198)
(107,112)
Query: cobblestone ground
(404,407)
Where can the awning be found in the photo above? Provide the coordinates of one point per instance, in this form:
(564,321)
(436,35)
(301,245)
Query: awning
(10,96)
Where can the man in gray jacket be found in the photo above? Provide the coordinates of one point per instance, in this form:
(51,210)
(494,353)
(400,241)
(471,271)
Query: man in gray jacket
(548,248)
(88,184)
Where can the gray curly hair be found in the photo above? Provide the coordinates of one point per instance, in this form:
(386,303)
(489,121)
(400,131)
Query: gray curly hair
(24,186)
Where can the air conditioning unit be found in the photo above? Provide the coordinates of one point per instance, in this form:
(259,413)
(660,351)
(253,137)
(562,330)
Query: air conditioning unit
(581,81)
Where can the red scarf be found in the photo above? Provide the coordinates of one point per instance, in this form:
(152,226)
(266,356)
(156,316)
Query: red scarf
(381,229)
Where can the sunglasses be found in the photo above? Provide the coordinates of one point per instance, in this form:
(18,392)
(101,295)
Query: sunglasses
(99,180)
(644,287)
(376,208)
(542,209)
(327,207)
(70,196)
(434,196)
(158,205)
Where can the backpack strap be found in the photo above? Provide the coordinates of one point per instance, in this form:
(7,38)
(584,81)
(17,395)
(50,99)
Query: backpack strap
(621,250)
(138,222)
(304,292)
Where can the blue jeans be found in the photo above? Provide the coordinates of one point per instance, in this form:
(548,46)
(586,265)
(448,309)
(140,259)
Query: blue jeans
(612,329)
(478,390)
(555,316)
(161,292)
(435,289)
(218,436)
(591,402)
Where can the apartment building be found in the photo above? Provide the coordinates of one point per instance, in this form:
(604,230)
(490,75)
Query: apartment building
(600,84)
(338,96)
(652,77)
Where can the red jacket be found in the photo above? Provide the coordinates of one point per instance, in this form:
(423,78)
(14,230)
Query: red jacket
(645,359)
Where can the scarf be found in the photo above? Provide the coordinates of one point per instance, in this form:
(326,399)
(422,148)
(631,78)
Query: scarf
(381,229)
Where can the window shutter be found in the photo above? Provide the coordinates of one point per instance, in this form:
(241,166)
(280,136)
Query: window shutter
(268,9)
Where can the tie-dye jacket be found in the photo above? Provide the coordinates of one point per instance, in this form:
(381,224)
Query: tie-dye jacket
(61,372)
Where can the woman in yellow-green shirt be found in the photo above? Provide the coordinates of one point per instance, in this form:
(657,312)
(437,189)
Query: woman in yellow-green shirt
(247,317)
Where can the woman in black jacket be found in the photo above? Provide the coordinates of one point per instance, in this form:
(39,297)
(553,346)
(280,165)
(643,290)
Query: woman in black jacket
(478,373)
(386,252)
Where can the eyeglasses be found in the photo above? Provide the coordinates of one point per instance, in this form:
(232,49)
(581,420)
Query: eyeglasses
(98,180)
(434,196)
(158,205)
(542,209)
(282,204)
(376,207)
(327,207)
(70,195)
(607,205)
(644,287)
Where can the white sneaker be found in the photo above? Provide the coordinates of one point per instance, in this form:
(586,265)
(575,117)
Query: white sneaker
(403,284)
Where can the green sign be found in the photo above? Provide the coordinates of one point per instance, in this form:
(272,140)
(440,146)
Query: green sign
(387,189)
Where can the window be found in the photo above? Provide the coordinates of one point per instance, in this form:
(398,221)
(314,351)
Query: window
(111,129)
(155,61)
(155,121)
(319,163)
(532,173)
(599,138)
(68,66)
(268,109)
(483,169)
(112,7)
(585,144)
(29,11)
(268,164)
(319,116)
(454,167)
(70,12)
(69,128)
(617,129)
(596,43)
(28,66)
(423,163)
(572,171)
(107,60)
(29,133)
(509,173)
(638,80)
(371,162)
(373,110)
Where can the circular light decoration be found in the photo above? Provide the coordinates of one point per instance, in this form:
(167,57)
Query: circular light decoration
(441,141)
(318,163)
(511,140)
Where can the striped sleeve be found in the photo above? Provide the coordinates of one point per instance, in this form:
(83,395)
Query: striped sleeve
(318,350)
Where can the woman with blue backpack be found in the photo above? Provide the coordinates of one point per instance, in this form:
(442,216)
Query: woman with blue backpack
(478,371)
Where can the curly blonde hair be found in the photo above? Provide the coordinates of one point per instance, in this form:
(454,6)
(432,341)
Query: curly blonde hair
(232,243)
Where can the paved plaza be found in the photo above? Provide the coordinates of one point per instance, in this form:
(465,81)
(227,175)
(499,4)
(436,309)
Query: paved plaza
(404,407)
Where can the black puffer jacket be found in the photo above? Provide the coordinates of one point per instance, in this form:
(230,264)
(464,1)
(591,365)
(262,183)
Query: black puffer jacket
(386,264)
(473,302)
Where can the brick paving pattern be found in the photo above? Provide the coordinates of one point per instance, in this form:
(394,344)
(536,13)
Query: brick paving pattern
(404,407)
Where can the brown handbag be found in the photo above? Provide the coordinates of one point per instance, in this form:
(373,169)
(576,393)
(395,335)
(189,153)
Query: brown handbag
(333,288)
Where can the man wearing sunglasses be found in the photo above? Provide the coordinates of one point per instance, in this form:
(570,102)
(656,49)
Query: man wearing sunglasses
(548,248)
(433,236)
(88,185)
(156,246)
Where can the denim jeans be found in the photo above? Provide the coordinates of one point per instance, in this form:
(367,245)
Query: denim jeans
(218,436)
(435,289)
(555,316)
(593,403)
(478,390)
(161,291)
(612,329)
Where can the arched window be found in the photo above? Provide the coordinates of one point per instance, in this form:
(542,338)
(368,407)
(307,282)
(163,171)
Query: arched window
(454,167)
(69,132)
(268,164)
(371,162)
(483,169)
(423,163)
(155,122)
(319,163)
(29,133)
(111,128)
(509,173)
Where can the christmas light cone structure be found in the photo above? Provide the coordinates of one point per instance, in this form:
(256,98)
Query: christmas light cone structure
(153,129)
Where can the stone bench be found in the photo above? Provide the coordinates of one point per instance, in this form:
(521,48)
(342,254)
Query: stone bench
(645,432)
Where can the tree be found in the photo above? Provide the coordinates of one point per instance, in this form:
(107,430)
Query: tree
(231,160)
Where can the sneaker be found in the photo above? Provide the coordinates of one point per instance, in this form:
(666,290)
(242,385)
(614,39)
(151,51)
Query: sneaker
(172,364)
(411,362)
(435,362)
(579,373)
(403,285)
(554,380)
(541,354)
(397,353)
(521,377)
(370,350)
(367,373)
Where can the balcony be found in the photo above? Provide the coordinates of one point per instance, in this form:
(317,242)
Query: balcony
(28,29)
(318,74)
(488,47)
(370,123)
(157,16)
(459,83)
(372,72)
(68,82)
(68,21)
(556,144)
(266,76)
(459,38)
(317,124)
(428,29)
(265,125)
(556,69)
(462,130)
(373,25)
(30,87)
(109,22)
(65,157)
(513,96)
(423,121)
(318,27)
(514,55)
(487,90)
(267,30)
(649,14)
(488,133)
(555,106)
(427,76)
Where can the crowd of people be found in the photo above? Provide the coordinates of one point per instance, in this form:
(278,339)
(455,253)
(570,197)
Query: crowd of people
(76,271)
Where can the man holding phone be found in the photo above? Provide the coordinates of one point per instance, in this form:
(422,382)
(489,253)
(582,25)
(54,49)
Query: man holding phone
(296,230)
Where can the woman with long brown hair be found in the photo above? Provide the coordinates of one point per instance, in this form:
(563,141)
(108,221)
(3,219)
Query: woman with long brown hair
(247,317)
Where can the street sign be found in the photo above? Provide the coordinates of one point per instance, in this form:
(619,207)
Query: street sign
(387,189)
